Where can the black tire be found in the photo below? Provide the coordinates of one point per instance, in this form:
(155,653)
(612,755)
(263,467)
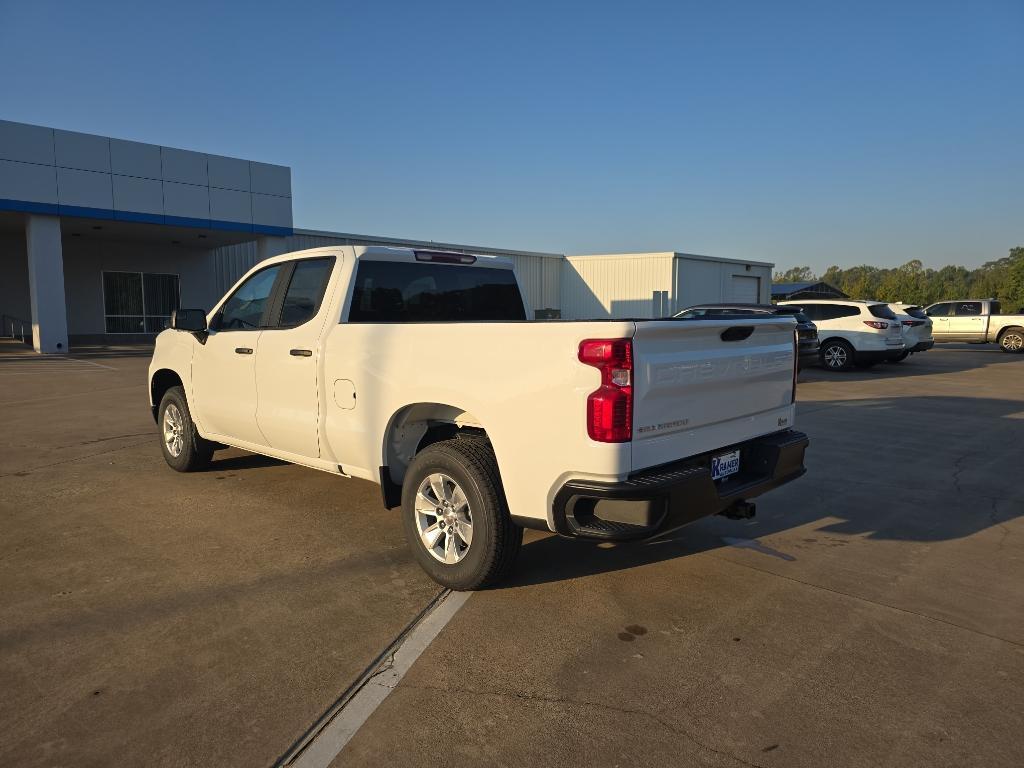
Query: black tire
(836,355)
(495,539)
(1012,341)
(195,452)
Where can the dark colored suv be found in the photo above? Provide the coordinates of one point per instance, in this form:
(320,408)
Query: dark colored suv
(806,331)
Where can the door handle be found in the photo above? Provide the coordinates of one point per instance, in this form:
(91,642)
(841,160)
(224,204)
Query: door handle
(243,350)
(301,353)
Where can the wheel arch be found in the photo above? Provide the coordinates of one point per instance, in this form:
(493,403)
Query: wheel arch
(1006,329)
(161,381)
(829,339)
(411,429)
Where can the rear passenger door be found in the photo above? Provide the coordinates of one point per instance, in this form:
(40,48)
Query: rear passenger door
(967,323)
(287,359)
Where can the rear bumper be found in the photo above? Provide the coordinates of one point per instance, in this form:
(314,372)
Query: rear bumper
(675,494)
(921,346)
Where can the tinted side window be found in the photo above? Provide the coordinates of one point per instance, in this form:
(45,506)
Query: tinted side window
(244,310)
(882,311)
(401,292)
(940,310)
(968,308)
(835,311)
(305,291)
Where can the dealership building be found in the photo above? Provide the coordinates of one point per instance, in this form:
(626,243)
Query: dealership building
(100,238)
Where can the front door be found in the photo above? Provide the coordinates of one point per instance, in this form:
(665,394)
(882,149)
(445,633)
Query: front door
(224,368)
(940,315)
(287,361)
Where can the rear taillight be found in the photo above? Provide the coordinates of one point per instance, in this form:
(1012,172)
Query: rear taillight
(796,363)
(908,323)
(877,324)
(610,406)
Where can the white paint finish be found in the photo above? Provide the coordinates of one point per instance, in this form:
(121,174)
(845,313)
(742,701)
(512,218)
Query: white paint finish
(271,210)
(228,172)
(186,200)
(184,166)
(331,739)
(224,385)
(27,181)
(230,205)
(133,158)
(344,394)
(26,143)
(46,284)
(89,189)
(82,151)
(138,195)
(270,179)
(694,392)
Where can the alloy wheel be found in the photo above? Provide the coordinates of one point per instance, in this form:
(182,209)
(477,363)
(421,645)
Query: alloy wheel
(174,430)
(443,518)
(835,356)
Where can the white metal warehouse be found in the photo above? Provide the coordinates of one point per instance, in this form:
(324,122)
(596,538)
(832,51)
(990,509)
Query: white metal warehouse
(657,284)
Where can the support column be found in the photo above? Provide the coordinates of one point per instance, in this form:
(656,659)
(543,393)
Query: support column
(46,284)
(270,246)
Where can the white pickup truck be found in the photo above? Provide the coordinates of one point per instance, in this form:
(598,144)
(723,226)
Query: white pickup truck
(418,370)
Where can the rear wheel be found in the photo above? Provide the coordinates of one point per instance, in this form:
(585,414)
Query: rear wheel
(836,355)
(1012,341)
(455,515)
(184,450)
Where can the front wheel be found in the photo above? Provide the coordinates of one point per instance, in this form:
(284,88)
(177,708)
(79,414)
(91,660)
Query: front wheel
(455,516)
(1012,341)
(836,355)
(184,450)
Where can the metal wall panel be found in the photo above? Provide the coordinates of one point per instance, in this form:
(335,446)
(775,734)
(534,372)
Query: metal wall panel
(614,286)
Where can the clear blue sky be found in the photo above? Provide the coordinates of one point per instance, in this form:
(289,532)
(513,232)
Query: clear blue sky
(796,132)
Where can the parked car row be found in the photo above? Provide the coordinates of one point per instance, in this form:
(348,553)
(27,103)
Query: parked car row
(846,333)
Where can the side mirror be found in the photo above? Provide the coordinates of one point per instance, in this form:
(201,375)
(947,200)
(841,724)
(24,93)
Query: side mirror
(193,320)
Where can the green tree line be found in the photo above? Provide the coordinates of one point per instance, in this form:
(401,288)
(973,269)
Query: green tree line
(1002,279)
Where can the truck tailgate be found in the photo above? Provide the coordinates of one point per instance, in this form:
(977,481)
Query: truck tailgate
(700,385)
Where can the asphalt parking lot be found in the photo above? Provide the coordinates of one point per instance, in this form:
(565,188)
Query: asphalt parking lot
(871,614)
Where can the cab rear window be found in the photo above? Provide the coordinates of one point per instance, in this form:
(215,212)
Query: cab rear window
(404,292)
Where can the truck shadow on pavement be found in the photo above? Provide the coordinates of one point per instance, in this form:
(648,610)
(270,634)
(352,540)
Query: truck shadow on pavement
(960,480)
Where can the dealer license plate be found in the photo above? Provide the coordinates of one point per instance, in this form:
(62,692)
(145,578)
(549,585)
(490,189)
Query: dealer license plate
(725,465)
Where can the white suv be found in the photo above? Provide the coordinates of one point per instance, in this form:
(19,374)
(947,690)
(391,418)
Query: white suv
(854,333)
(917,329)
